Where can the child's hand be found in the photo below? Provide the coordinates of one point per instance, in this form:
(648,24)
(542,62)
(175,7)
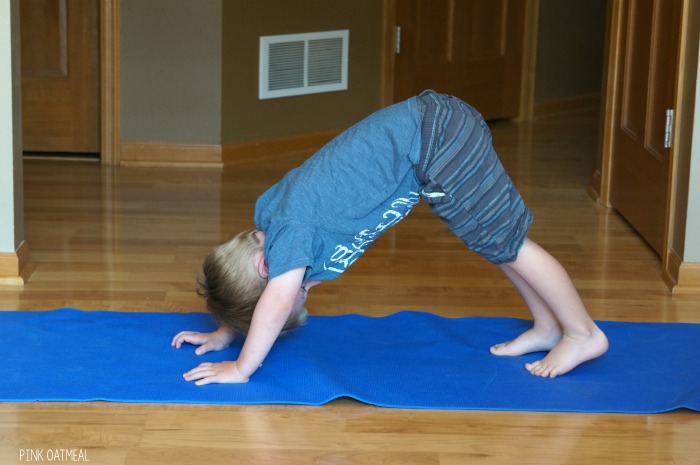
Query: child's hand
(223,372)
(217,340)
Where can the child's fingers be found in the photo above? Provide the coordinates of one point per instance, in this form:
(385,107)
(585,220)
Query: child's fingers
(178,339)
(207,373)
(203,349)
(199,372)
(207,380)
(186,336)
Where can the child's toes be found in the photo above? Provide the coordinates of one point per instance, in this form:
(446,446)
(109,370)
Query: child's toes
(538,369)
(497,349)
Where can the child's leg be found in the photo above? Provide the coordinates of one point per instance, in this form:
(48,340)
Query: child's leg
(545,332)
(536,271)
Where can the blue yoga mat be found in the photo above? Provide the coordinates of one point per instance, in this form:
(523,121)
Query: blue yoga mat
(406,360)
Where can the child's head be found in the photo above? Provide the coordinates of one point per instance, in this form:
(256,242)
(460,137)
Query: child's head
(232,283)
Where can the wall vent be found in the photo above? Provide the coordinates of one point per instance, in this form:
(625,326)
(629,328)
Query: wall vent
(299,64)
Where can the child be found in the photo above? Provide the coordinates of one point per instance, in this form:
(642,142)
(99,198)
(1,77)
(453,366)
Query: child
(323,215)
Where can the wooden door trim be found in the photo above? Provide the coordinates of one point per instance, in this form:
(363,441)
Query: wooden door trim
(527,81)
(13,266)
(110,81)
(529,66)
(680,276)
(601,178)
(389,38)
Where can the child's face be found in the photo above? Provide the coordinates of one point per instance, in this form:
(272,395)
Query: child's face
(261,266)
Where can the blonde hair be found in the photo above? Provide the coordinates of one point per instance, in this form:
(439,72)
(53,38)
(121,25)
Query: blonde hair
(232,285)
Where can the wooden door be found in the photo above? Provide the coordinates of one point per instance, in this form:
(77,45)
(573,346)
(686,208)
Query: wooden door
(472,49)
(60,75)
(645,90)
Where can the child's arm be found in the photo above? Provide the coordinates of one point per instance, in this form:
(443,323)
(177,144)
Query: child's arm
(271,313)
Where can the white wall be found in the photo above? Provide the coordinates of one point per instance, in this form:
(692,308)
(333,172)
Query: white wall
(692,227)
(11,197)
(692,230)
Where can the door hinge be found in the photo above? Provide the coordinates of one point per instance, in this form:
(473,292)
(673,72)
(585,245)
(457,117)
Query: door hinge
(668,135)
(397,39)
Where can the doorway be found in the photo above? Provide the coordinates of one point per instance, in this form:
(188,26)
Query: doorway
(637,176)
(60,54)
(70,77)
(471,49)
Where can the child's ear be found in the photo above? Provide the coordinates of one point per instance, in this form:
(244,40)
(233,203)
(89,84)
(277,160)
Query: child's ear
(263,271)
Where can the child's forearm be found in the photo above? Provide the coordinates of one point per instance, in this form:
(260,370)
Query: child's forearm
(271,313)
(258,343)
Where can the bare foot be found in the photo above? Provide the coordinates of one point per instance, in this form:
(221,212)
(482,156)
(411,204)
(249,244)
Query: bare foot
(532,340)
(569,353)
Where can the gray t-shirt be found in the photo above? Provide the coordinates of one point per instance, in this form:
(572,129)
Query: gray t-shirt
(325,213)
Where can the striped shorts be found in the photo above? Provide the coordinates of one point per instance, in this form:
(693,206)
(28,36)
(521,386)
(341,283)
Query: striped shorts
(464,181)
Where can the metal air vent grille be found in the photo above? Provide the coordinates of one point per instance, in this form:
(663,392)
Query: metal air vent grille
(299,64)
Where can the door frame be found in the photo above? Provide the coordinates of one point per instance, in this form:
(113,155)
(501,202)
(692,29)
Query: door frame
(110,26)
(527,79)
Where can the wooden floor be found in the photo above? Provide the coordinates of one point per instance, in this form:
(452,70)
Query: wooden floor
(132,239)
